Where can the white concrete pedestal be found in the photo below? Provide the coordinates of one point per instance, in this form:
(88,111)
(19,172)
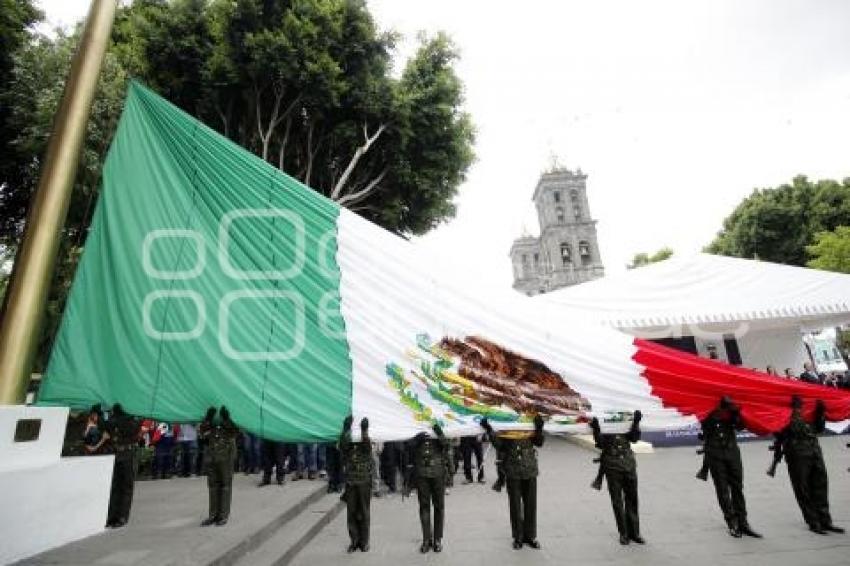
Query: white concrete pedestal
(46,501)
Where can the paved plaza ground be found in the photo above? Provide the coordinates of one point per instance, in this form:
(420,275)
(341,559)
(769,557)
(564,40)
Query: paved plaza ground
(679,518)
(679,514)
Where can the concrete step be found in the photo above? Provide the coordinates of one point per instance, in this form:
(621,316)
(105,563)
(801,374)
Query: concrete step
(293,515)
(282,547)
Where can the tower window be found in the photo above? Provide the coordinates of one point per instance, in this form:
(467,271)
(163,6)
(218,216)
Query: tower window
(566,255)
(584,252)
(524,259)
(577,211)
(557,196)
(536,260)
(560,213)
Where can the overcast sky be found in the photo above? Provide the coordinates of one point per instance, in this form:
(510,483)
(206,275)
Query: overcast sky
(676,111)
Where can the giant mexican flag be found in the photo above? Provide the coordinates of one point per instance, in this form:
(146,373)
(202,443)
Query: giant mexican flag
(210,278)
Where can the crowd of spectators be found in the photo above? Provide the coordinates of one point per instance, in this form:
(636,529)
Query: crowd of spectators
(167,450)
(840,379)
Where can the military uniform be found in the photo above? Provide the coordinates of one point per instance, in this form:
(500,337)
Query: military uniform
(221,457)
(429,462)
(618,464)
(723,460)
(470,445)
(519,461)
(807,469)
(123,431)
(357,470)
(273,456)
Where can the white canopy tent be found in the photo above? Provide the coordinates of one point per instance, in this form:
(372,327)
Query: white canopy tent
(718,304)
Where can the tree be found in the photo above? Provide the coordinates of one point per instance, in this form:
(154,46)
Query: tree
(16,19)
(33,92)
(642,259)
(307,86)
(776,224)
(831,250)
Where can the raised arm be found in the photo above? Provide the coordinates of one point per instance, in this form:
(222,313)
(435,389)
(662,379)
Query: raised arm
(634,431)
(441,438)
(537,439)
(819,424)
(345,434)
(597,432)
(491,435)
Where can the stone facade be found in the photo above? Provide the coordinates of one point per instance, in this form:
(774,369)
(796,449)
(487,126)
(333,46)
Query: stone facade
(567,251)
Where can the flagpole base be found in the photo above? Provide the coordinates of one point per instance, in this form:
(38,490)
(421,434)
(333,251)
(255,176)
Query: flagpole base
(45,500)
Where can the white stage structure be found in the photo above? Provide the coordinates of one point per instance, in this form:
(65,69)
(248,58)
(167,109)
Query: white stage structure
(752,310)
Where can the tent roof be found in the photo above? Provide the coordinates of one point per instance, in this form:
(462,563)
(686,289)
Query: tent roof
(708,289)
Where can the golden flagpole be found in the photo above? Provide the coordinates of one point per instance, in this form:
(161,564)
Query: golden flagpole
(26,295)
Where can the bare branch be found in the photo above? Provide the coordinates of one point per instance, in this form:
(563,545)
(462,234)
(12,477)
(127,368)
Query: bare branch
(310,153)
(282,153)
(358,154)
(364,192)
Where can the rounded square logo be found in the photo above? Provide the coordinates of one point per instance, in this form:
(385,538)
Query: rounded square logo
(159,294)
(298,326)
(147,260)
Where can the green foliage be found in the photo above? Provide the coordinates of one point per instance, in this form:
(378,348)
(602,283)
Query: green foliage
(778,224)
(306,84)
(33,92)
(16,17)
(831,250)
(642,259)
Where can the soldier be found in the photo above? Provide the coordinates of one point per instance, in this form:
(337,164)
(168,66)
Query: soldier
(520,465)
(429,465)
(470,445)
(220,435)
(273,456)
(122,430)
(617,463)
(723,460)
(357,469)
(798,442)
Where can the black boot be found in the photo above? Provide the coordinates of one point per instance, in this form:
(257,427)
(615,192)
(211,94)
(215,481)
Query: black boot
(833,529)
(815,528)
(438,545)
(535,544)
(208,521)
(746,530)
(352,547)
(517,544)
(624,539)
(425,546)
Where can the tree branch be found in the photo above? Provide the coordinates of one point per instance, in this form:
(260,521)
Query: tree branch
(282,154)
(362,193)
(358,154)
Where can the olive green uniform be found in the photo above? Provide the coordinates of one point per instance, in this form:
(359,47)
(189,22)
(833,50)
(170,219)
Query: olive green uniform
(618,463)
(357,470)
(123,433)
(807,469)
(429,463)
(519,461)
(221,457)
(724,462)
